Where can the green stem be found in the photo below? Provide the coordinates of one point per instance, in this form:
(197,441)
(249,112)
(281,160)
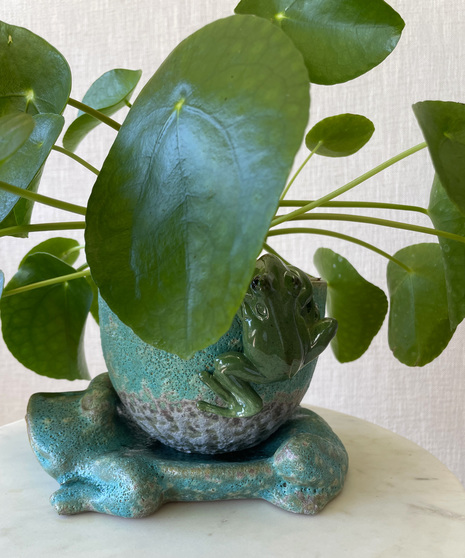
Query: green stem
(72,250)
(358,205)
(348,186)
(379,222)
(39,198)
(305,230)
(286,190)
(47,283)
(43,227)
(95,113)
(76,158)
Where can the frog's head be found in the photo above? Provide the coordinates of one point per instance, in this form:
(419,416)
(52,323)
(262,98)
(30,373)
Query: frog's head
(278,313)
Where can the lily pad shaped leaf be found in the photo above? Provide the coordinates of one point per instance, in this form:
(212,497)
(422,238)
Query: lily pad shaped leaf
(443,125)
(22,167)
(15,129)
(339,39)
(39,78)
(419,325)
(65,249)
(340,136)
(446,216)
(43,328)
(358,306)
(108,94)
(183,203)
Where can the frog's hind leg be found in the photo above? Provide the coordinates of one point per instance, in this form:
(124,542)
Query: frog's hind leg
(230,381)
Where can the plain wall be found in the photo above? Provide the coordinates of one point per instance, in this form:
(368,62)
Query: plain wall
(424,404)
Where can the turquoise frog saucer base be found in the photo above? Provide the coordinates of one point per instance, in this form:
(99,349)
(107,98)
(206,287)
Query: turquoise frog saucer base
(105,463)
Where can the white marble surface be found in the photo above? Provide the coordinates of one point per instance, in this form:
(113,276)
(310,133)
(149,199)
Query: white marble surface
(399,501)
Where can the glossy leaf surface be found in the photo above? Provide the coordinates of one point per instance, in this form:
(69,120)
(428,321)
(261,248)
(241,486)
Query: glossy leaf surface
(446,216)
(339,39)
(419,327)
(62,248)
(108,94)
(358,306)
(43,328)
(172,235)
(35,76)
(22,167)
(15,129)
(443,125)
(340,136)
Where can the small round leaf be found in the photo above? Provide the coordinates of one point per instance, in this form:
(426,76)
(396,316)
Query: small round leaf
(358,306)
(340,136)
(43,328)
(419,324)
(62,248)
(108,94)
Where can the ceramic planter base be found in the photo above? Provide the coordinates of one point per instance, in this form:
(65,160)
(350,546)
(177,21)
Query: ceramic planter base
(105,463)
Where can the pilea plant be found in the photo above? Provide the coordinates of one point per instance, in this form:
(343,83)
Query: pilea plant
(197,181)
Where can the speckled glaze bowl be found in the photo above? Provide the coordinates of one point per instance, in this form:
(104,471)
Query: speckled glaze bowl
(160,391)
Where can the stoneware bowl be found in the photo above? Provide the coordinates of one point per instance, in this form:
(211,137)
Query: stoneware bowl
(160,391)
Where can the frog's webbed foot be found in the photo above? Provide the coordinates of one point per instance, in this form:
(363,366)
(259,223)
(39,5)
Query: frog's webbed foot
(240,398)
(321,334)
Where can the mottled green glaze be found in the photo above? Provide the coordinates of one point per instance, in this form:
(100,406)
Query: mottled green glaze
(105,463)
(161,391)
(281,333)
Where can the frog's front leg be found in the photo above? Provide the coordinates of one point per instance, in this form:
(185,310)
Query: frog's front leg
(320,335)
(230,381)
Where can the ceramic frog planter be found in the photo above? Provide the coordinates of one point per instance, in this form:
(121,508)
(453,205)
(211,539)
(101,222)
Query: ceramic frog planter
(118,440)
(281,333)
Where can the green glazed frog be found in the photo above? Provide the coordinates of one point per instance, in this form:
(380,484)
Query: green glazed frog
(281,333)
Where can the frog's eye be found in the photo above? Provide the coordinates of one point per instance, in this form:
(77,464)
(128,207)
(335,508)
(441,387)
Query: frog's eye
(261,311)
(255,284)
(293,282)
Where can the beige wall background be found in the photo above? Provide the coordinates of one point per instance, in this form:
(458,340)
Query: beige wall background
(426,405)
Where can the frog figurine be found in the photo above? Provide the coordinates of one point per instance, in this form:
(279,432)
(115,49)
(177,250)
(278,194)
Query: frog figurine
(281,332)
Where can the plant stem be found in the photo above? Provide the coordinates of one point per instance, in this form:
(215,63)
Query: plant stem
(95,113)
(39,198)
(47,283)
(72,250)
(305,230)
(348,186)
(357,204)
(42,227)
(379,222)
(75,158)
(291,181)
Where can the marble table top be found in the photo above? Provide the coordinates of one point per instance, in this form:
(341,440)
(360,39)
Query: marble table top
(399,501)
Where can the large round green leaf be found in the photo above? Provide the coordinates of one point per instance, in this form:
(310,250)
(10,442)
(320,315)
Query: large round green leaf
(35,76)
(108,94)
(443,125)
(44,328)
(184,200)
(339,39)
(340,136)
(419,326)
(446,216)
(15,129)
(358,306)
(22,167)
